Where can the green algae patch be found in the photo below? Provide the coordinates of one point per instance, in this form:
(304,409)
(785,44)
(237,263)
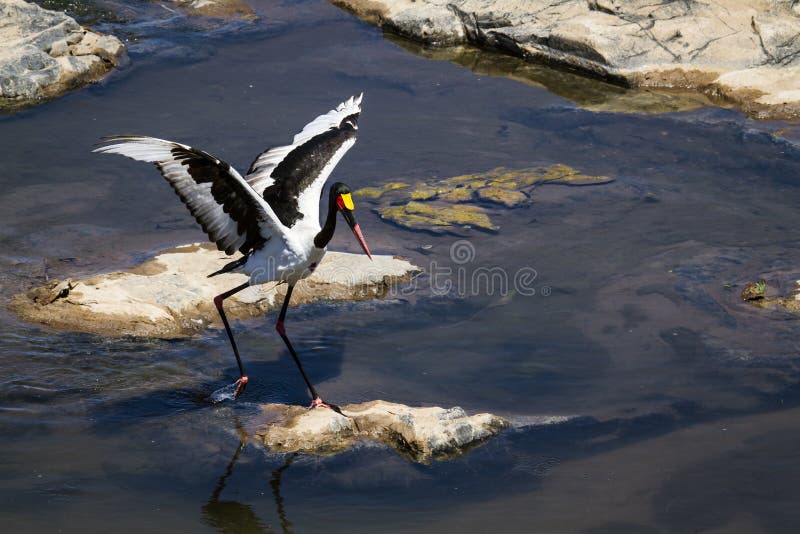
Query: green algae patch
(424,193)
(377,192)
(501,195)
(368,192)
(467,200)
(459,194)
(437,217)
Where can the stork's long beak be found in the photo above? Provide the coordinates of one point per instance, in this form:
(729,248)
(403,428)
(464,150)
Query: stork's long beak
(351,221)
(346,206)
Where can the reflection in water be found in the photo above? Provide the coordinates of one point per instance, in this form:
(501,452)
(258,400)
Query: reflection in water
(275,483)
(234,517)
(589,93)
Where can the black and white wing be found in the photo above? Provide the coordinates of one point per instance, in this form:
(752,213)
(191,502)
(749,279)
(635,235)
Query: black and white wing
(290,178)
(230,212)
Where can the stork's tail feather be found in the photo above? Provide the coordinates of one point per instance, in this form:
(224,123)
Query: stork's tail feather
(230,266)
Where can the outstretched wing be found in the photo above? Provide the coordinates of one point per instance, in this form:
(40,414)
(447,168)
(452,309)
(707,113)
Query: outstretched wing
(230,212)
(290,178)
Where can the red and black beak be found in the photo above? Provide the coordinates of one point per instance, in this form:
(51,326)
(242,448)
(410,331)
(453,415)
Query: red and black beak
(345,204)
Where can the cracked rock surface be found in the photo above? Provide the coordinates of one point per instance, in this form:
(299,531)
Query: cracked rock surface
(45,53)
(745,52)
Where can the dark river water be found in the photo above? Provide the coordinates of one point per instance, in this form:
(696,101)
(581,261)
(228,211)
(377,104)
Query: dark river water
(682,400)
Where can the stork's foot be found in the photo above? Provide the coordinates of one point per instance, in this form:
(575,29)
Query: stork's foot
(319,403)
(241,384)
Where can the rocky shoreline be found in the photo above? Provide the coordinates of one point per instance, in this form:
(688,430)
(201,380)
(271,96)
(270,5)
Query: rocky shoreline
(725,52)
(746,55)
(44,54)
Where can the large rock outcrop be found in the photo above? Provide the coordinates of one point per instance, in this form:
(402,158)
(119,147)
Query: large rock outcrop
(420,434)
(745,52)
(46,53)
(171,295)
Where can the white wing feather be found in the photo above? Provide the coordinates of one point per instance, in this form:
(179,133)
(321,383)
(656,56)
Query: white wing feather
(219,225)
(259,176)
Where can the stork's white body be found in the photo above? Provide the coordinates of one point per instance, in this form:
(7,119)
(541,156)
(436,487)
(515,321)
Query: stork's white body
(285,260)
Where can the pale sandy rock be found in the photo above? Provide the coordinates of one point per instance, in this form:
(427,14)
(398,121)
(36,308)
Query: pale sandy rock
(762,90)
(59,48)
(171,295)
(632,42)
(421,434)
(45,53)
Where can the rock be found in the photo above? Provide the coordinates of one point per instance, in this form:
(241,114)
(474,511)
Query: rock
(46,53)
(501,195)
(587,92)
(436,217)
(696,45)
(420,434)
(446,205)
(171,296)
(754,291)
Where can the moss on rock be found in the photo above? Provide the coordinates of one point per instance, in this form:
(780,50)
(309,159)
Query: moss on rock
(377,192)
(437,217)
(501,195)
(467,200)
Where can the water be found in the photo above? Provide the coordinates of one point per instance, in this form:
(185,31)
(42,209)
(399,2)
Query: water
(685,397)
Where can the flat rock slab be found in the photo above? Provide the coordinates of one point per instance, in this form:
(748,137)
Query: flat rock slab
(46,53)
(420,434)
(695,45)
(171,295)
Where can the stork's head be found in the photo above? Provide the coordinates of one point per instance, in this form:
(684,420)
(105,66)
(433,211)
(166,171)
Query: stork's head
(340,193)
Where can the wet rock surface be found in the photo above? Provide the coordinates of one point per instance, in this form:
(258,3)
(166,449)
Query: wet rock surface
(46,53)
(467,201)
(419,434)
(745,53)
(171,295)
(756,294)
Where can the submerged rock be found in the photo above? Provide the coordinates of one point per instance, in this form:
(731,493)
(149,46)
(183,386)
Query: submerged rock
(420,434)
(433,216)
(171,296)
(695,45)
(466,201)
(755,293)
(46,53)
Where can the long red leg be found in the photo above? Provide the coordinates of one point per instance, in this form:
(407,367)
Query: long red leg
(317,400)
(242,382)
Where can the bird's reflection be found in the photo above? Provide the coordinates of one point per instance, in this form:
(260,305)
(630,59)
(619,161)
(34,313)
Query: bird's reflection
(275,483)
(230,517)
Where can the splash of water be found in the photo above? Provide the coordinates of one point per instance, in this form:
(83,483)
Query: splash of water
(225,393)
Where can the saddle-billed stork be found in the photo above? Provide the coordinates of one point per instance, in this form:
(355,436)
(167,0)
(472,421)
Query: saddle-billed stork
(271,215)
